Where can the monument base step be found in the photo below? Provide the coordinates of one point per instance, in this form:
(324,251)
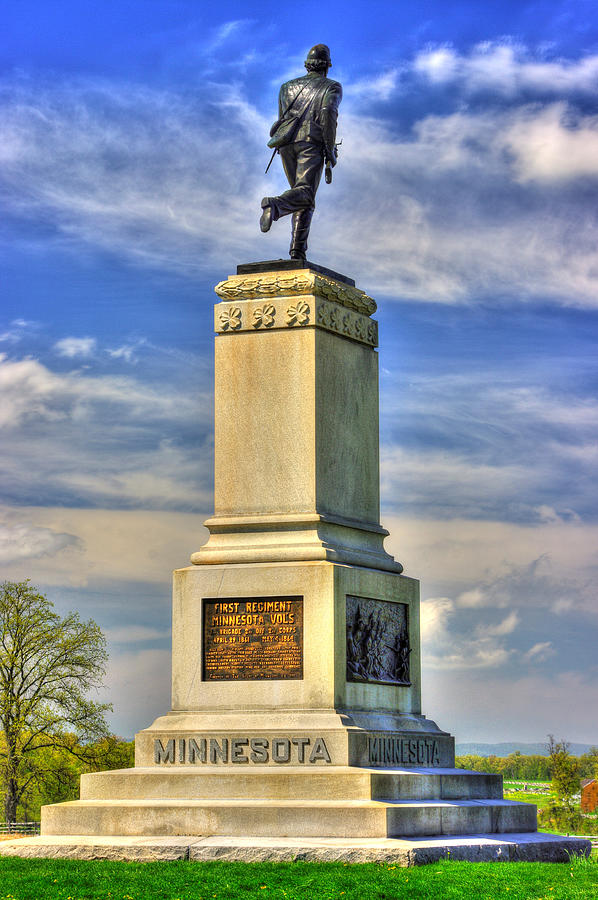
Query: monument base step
(292,818)
(289,783)
(398,851)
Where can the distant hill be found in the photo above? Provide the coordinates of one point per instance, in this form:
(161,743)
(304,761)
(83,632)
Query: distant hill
(507,748)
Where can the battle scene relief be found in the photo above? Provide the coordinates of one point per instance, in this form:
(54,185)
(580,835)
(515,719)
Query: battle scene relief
(377,641)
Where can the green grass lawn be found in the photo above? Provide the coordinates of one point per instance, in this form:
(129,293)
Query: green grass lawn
(23,879)
(540,800)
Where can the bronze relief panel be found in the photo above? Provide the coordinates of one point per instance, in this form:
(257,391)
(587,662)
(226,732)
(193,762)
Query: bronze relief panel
(377,641)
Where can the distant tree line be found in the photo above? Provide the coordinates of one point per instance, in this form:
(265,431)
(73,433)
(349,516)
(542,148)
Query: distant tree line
(518,767)
(561,769)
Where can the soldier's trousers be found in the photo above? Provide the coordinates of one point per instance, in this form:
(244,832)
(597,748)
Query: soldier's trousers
(303,163)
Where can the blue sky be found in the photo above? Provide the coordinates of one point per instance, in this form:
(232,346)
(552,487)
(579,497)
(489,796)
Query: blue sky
(132,156)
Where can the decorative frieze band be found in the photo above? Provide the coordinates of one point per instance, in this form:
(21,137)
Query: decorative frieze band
(295,312)
(271,285)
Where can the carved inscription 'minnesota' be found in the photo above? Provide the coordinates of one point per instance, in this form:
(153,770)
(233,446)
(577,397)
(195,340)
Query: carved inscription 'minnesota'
(250,638)
(241,751)
(393,751)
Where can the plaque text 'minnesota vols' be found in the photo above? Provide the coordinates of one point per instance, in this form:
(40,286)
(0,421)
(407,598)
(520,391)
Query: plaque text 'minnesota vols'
(250,638)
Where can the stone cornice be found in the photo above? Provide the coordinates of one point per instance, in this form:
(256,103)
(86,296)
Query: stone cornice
(290,284)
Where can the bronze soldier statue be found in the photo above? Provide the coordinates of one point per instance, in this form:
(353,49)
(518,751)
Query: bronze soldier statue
(304,135)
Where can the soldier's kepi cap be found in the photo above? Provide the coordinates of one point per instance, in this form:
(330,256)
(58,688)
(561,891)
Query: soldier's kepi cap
(319,52)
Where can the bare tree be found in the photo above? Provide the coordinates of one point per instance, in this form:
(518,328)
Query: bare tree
(47,666)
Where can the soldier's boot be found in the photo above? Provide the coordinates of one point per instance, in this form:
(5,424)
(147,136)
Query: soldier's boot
(269,213)
(299,233)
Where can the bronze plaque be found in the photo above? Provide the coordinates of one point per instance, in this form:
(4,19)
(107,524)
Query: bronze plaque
(252,638)
(377,641)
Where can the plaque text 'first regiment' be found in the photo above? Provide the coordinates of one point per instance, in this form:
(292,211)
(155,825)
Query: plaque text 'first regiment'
(251,638)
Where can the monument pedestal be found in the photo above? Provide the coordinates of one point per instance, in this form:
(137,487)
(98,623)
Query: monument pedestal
(296,702)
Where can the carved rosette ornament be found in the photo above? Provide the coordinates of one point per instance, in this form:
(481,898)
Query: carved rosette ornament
(274,300)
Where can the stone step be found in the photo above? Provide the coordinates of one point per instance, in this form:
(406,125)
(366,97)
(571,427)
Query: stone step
(259,782)
(290,782)
(283,818)
(431,784)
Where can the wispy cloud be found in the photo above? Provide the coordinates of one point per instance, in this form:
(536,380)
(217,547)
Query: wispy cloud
(128,352)
(507,68)
(102,440)
(448,648)
(541,582)
(18,329)
(533,704)
(25,541)
(540,652)
(463,204)
(134,634)
(72,347)
(554,145)
(461,447)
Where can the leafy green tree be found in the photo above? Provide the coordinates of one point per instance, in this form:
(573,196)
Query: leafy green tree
(588,763)
(564,770)
(63,769)
(48,664)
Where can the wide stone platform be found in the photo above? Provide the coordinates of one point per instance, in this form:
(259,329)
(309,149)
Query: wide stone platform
(398,851)
(336,802)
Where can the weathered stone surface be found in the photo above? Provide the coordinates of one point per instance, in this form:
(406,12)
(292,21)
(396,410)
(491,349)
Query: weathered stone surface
(137,849)
(312,818)
(474,848)
(319,704)
(296,423)
(290,782)
(301,281)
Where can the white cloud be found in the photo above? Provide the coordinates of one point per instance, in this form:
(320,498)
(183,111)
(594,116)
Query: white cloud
(133,634)
(105,440)
(18,329)
(22,541)
(423,199)
(505,706)
(450,481)
(71,158)
(141,172)
(433,615)
(546,147)
(540,652)
(128,352)
(494,564)
(225,31)
(508,69)
(463,447)
(86,547)
(380,87)
(72,347)
(447,648)
(507,626)
(472,599)
(438,65)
